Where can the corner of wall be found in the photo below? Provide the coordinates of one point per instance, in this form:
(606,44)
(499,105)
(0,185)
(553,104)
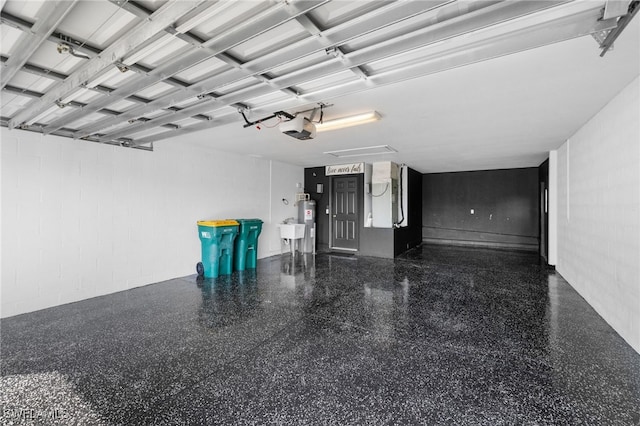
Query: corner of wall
(598,212)
(283,180)
(96,219)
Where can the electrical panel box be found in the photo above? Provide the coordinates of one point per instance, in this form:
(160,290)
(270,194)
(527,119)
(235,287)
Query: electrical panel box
(384,193)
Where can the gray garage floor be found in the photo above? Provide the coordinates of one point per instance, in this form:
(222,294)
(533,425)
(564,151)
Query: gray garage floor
(443,335)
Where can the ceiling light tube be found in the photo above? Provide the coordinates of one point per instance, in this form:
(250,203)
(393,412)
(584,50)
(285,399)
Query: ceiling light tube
(353,120)
(42,115)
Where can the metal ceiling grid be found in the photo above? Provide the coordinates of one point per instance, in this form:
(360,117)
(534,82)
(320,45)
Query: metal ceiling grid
(130,72)
(86,21)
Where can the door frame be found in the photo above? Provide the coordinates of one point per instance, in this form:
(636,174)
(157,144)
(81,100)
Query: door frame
(544,208)
(358,213)
(544,221)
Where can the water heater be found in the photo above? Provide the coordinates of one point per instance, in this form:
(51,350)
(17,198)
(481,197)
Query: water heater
(307,215)
(384,194)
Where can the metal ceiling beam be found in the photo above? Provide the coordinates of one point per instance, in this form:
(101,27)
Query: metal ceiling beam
(55,37)
(203,106)
(391,14)
(314,30)
(144,13)
(163,17)
(15,22)
(4,122)
(264,21)
(417,40)
(215,122)
(132,7)
(634,6)
(379,18)
(445,30)
(144,70)
(46,73)
(559,30)
(479,19)
(22,92)
(82,46)
(474,50)
(615,9)
(49,16)
(39,71)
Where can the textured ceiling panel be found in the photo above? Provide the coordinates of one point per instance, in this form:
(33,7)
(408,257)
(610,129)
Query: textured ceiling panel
(328,81)
(29,81)
(8,38)
(274,39)
(85,120)
(122,105)
(300,64)
(12,103)
(23,9)
(203,69)
(338,12)
(228,15)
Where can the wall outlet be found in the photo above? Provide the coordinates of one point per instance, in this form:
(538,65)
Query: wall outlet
(473,211)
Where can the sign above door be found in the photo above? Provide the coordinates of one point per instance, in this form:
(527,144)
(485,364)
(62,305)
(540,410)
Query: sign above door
(344,169)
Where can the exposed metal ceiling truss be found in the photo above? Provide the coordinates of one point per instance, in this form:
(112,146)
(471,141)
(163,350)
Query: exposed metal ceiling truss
(141,71)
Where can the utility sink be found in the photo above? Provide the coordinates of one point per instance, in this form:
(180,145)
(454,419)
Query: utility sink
(292,231)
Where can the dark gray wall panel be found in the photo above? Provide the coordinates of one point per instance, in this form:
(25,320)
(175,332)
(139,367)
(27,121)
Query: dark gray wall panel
(505,204)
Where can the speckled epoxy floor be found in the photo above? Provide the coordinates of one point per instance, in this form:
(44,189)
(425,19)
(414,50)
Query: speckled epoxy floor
(442,335)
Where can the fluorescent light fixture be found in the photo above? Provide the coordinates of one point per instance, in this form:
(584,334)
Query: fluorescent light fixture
(353,120)
(102,78)
(367,150)
(200,18)
(147,50)
(42,115)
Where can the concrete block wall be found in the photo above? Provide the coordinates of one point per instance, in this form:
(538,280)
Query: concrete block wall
(598,215)
(82,219)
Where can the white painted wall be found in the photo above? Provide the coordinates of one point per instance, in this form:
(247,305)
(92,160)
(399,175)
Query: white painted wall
(82,219)
(599,213)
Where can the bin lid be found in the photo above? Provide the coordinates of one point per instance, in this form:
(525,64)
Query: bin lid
(249,220)
(216,223)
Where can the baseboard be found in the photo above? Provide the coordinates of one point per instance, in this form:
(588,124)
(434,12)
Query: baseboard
(350,255)
(487,244)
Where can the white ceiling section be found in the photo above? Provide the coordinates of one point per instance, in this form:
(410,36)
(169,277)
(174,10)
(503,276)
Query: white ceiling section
(460,85)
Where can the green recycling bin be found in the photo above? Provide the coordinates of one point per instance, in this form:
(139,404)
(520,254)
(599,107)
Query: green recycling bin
(216,237)
(246,245)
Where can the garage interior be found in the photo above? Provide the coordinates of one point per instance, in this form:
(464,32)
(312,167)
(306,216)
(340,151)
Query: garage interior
(507,291)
